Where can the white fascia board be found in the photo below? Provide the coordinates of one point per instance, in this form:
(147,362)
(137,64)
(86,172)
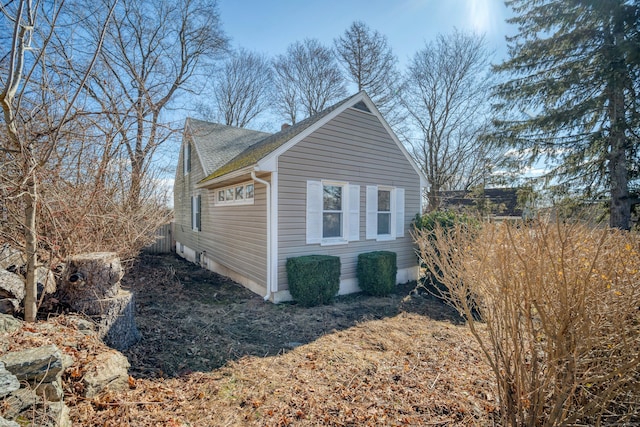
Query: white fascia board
(231,175)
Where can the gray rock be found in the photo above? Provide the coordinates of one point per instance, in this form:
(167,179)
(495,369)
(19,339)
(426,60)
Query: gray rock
(10,257)
(8,381)
(9,306)
(11,285)
(108,370)
(7,423)
(18,401)
(58,412)
(51,392)
(9,324)
(85,326)
(40,364)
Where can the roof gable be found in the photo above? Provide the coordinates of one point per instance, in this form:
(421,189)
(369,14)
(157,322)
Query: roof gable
(217,144)
(241,148)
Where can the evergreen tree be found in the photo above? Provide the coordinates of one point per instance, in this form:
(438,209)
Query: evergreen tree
(572,93)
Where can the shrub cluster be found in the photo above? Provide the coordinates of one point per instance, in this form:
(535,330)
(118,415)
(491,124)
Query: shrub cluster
(377,272)
(560,306)
(313,279)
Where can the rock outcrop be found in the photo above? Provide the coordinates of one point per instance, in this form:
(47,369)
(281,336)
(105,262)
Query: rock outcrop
(31,379)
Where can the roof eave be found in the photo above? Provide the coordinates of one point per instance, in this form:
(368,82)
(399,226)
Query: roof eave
(211,182)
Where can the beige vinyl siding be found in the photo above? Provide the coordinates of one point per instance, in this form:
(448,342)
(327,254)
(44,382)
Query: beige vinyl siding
(355,148)
(234,236)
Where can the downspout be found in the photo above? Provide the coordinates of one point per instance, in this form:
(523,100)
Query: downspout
(261,181)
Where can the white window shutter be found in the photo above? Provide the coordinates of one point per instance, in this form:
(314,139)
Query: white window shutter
(399,212)
(353,226)
(372,211)
(314,212)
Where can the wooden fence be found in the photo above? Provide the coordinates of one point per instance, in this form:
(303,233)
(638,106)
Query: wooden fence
(164,243)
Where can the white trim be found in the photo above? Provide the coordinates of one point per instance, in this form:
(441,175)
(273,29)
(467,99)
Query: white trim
(344,205)
(269,235)
(274,232)
(226,177)
(234,188)
(397,213)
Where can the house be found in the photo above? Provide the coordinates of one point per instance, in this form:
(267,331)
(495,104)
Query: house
(337,183)
(498,203)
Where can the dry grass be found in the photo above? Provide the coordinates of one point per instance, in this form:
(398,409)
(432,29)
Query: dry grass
(404,370)
(363,360)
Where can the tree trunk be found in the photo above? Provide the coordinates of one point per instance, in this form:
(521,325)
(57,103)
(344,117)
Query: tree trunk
(31,250)
(620,208)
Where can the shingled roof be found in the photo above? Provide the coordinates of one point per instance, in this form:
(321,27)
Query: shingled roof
(217,144)
(225,149)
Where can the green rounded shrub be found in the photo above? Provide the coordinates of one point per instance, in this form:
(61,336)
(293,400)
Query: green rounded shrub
(377,272)
(313,279)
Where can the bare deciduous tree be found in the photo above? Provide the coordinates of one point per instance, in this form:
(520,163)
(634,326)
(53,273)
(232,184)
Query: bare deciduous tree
(306,79)
(370,64)
(38,97)
(151,55)
(446,92)
(241,89)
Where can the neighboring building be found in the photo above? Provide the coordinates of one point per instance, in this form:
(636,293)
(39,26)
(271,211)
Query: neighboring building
(338,183)
(498,203)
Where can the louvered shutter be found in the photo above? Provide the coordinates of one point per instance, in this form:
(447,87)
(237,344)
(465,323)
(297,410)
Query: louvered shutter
(314,212)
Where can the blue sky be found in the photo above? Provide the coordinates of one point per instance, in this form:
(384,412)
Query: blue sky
(270,26)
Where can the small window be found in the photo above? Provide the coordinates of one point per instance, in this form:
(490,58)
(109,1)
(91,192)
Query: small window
(384,212)
(385,218)
(331,211)
(195,213)
(187,158)
(239,194)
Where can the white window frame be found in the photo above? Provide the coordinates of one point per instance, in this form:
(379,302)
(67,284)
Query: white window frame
(196,212)
(350,213)
(186,158)
(231,191)
(397,213)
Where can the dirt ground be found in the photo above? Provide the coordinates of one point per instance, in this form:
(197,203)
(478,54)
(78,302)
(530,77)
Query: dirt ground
(193,320)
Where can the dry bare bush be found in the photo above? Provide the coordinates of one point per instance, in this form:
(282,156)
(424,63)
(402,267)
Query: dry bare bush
(87,215)
(561,303)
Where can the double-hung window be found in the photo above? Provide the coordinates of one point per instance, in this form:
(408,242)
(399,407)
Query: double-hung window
(333,212)
(385,212)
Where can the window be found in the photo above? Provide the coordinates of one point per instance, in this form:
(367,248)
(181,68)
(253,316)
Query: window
(186,157)
(195,213)
(385,212)
(239,194)
(333,212)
